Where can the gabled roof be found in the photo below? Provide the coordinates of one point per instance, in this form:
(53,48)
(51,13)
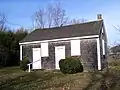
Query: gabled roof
(77,30)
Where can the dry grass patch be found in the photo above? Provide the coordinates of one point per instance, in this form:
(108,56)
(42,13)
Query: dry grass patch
(43,80)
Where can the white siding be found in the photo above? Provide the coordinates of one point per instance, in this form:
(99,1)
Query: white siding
(98,54)
(33,42)
(103,46)
(44,50)
(102,30)
(36,58)
(75,47)
(59,54)
(21,52)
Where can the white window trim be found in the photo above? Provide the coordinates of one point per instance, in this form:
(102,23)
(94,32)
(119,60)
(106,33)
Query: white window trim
(44,50)
(73,47)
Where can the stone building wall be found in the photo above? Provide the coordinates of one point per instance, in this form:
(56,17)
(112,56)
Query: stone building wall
(27,51)
(88,48)
(89,54)
(49,62)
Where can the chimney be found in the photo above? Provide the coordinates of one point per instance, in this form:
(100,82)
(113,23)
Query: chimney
(99,16)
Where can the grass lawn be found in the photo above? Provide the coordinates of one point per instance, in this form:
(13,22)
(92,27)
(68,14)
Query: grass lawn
(12,78)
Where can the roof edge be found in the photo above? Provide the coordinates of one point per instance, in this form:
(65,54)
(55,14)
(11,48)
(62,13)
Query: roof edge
(71,24)
(62,39)
(102,24)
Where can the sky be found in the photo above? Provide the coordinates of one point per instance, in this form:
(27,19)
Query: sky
(19,13)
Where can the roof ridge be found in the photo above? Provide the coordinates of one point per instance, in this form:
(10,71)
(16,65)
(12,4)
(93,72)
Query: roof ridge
(70,25)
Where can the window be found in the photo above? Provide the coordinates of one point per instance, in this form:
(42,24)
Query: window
(103,46)
(44,50)
(75,47)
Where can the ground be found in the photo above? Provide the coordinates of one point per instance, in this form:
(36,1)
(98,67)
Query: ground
(13,78)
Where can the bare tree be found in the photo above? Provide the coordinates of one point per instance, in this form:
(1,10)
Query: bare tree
(51,16)
(59,16)
(2,21)
(77,21)
(40,18)
(49,13)
(117,28)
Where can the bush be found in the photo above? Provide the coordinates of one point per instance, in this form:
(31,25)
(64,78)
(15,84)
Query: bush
(23,64)
(70,65)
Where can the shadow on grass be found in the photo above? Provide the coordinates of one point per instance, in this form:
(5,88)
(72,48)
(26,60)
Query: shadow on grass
(9,70)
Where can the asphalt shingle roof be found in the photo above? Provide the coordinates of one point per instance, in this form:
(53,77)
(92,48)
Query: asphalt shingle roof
(77,30)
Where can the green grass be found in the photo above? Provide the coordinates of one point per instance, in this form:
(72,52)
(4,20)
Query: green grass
(9,70)
(12,78)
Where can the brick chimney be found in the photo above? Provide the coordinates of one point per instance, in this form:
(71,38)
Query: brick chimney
(99,16)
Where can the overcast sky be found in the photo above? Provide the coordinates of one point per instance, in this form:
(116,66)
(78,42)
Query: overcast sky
(19,12)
